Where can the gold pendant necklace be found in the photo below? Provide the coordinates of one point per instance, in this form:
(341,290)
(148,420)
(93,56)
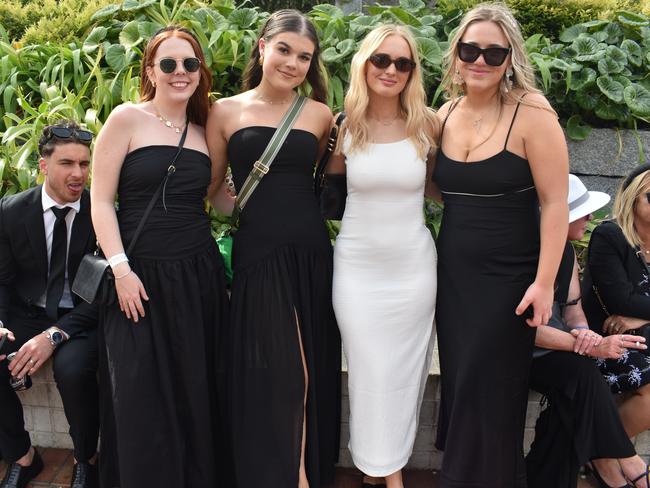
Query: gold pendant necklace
(168,123)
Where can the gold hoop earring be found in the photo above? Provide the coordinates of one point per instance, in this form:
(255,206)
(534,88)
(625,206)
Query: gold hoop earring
(153,83)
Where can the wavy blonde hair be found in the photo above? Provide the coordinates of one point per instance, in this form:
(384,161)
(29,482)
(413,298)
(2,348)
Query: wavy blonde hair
(523,77)
(625,205)
(422,126)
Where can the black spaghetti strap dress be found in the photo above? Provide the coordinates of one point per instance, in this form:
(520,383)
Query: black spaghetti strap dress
(163,370)
(488,251)
(281,310)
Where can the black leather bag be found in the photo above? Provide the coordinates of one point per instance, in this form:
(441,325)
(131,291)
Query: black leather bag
(94,281)
(331,189)
(94,273)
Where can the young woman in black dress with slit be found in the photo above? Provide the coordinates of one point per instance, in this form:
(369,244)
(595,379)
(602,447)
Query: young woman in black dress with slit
(502,157)
(162,335)
(285,346)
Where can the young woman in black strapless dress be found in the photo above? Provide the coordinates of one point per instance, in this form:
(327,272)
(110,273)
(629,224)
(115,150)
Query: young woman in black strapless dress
(502,157)
(285,346)
(162,336)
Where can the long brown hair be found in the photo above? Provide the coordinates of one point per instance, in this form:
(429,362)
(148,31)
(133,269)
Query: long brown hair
(199,103)
(288,20)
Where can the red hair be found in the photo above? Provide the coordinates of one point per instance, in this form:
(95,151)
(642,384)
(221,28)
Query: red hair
(199,103)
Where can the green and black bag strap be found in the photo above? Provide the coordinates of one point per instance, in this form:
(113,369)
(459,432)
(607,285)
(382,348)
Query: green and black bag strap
(262,165)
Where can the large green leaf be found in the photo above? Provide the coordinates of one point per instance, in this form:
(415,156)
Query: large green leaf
(106,12)
(243,18)
(587,99)
(617,54)
(135,5)
(94,39)
(586,48)
(430,51)
(608,110)
(412,5)
(614,32)
(130,35)
(638,99)
(584,77)
(116,56)
(610,88)
(608,66)
(633,52)
(572,33)
(632,19)
(576,130)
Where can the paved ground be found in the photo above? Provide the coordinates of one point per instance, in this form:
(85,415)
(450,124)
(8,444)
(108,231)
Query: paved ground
(58,469)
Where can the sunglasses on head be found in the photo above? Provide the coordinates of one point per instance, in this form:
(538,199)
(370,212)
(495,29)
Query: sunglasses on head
(494,56)
(383,61)
(81,135)
(168,65)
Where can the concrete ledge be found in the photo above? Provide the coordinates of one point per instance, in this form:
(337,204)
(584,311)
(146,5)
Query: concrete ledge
(48,427)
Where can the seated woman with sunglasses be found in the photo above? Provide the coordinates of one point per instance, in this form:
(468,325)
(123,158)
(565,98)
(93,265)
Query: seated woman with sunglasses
(502,156)
(161,335)
(384,289)
(616,296)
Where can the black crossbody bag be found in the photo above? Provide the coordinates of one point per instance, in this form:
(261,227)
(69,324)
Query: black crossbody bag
(94,281)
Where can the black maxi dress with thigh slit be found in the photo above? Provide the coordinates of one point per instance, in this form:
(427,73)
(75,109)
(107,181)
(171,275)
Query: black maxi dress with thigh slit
(281,309)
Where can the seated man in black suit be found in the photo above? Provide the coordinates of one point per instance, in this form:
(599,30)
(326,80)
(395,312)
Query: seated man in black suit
(44,233)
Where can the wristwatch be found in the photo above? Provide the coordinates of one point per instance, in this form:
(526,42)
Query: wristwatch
(55,336)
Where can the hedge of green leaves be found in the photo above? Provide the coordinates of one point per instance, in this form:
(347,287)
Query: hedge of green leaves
(596,73)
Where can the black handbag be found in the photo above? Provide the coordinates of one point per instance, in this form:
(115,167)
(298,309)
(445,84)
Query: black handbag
(331,189)
(94,281)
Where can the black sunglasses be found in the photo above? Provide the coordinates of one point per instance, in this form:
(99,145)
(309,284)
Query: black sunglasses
(494,56)
(168,65)
(81,135)
(383,61)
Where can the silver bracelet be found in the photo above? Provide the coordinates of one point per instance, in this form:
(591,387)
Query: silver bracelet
(124,275)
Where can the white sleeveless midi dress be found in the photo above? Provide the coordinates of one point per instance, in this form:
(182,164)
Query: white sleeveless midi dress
(384,294)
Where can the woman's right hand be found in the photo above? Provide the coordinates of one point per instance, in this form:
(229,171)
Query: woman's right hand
(130,292)
(614,346)
(619,324)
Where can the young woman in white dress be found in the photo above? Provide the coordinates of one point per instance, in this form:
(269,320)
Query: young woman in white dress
(384,287)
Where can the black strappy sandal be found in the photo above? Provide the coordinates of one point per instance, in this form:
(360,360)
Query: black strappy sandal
(645,475)
(601,482)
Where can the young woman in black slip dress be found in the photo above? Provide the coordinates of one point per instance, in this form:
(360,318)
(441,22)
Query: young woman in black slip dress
(502,157)
(284,341)
(162,335)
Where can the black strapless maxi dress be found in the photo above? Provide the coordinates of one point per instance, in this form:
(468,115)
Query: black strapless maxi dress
(163,370)
(281,305)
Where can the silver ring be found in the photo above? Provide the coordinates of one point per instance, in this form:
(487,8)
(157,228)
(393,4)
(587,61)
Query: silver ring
(31,361)
(637,343)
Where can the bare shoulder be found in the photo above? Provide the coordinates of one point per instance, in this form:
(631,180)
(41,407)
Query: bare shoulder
(319,110)
(443,111)
(227,105)
(126,114)
(536,104)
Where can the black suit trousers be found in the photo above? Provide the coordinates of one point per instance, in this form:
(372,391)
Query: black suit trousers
(75,373)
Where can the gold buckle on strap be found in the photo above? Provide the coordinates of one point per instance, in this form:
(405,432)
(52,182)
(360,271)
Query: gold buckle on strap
(260,168)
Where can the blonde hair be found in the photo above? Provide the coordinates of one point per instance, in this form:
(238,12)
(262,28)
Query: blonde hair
(625,204)
(523,77)
(422,126)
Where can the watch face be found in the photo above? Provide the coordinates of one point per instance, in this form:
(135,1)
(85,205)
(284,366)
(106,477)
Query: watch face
(57,337)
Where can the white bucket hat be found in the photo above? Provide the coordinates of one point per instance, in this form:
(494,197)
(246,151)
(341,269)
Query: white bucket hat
(583,202)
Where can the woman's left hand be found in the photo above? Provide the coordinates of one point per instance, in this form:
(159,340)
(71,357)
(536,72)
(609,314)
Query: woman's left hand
(538,299)
(619,324)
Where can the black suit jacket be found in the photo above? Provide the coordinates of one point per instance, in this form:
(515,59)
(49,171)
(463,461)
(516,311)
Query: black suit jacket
(619,276)
(23,257)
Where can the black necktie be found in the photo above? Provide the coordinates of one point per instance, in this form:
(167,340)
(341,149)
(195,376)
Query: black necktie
(56,277)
